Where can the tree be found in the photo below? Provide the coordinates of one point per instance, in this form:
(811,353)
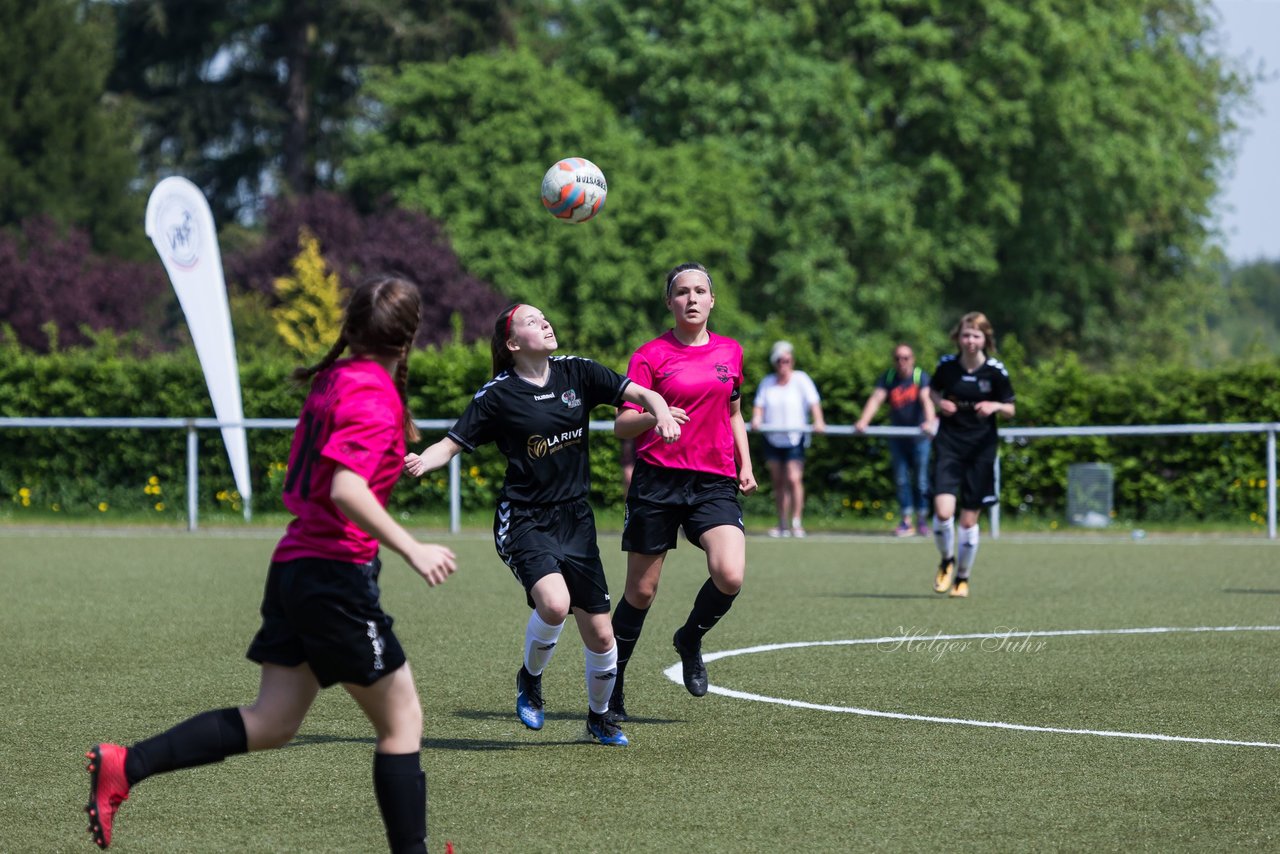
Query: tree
(1050,162)
(248,99)
(309,316)
(386,240)
(64,147)
(53,286)
(467,143)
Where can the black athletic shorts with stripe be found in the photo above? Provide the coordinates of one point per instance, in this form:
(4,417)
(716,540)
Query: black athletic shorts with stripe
(968,473)
(662,500)
(537,540)
(327,614)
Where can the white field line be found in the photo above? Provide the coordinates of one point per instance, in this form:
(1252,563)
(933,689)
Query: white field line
(674,674)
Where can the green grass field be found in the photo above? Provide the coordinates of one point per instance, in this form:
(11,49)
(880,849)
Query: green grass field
(117,634)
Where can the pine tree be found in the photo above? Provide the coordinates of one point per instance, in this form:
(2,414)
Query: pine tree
(309,316)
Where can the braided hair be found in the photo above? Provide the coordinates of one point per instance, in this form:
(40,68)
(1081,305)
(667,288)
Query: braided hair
(381,319)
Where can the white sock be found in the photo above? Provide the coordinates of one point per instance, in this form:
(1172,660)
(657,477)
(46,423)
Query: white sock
(944,536)
(968,551)
(539,643)
(602,672)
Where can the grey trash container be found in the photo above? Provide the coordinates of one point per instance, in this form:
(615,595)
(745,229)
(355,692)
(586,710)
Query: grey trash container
(1090,488)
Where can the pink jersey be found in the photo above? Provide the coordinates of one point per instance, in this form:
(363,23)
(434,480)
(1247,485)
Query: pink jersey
(353,417)
(702,381)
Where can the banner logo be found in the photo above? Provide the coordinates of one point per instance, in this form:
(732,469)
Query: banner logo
(179,237)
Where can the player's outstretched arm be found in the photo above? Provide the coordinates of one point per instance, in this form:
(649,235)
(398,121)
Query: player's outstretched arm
(351,494)
(432,457)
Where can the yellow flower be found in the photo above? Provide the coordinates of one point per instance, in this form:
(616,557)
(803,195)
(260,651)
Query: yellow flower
(857,505)
(103,506)
(153,480)
(1053,526)
(474,471)
(159,506)
(56,508)
(845,502)
(24,492)
(26,502)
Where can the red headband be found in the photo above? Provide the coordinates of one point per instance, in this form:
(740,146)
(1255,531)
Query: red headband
(511,315)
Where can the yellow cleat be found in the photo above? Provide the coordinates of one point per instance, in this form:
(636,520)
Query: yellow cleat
(946,574)
(961,589)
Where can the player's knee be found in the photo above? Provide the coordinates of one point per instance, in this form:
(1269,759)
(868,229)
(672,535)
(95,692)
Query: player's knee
(554,612)
(642,595)
(728,579)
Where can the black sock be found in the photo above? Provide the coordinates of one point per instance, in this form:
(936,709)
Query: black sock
(207,738)
(709,606)
(401,788)
(628,622)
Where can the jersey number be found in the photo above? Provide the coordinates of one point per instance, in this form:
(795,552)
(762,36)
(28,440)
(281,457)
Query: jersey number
(307,454)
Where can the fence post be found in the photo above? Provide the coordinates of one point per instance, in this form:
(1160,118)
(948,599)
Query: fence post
(1271,483)
(455,494)
(994,512)
(192,478)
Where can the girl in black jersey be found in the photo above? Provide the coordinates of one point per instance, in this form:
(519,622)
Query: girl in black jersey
(536,409)
(969,389)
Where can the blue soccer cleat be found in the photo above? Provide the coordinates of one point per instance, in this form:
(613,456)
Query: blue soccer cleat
(529,699)
(602,730)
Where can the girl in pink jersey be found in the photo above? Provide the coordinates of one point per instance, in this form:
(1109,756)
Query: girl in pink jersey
(322,622)
(692,483)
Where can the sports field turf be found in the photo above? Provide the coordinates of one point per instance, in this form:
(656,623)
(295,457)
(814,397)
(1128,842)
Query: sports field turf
(117,635)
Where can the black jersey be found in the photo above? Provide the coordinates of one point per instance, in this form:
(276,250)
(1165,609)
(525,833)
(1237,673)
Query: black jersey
(990,381)
(541,430)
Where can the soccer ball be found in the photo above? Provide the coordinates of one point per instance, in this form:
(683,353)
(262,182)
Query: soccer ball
(574,189)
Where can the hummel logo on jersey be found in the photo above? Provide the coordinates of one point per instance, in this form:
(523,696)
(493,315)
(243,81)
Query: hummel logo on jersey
(546,396)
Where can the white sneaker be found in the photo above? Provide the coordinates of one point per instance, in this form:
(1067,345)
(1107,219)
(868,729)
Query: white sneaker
(779,532)
(797,531)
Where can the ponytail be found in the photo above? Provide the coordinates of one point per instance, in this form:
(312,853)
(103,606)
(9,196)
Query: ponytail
(411,432)
(302,374)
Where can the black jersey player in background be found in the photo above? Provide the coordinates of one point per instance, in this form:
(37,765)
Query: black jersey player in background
(969,389)
(536,409)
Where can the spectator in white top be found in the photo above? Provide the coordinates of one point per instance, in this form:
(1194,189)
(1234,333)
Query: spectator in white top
(787,398)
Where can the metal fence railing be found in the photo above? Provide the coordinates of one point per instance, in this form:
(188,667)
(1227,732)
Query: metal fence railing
(1008,434)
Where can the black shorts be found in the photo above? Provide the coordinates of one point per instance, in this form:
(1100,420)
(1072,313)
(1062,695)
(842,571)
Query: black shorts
(968,474)
(536,540)
(662,500)
(326,613)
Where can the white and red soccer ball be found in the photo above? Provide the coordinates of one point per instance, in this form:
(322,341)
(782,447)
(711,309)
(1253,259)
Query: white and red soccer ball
(574,189)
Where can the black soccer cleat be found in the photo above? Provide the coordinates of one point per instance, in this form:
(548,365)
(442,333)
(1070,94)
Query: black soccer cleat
(617,708)
(695,672)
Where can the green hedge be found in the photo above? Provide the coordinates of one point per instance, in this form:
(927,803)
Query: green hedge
(77,471)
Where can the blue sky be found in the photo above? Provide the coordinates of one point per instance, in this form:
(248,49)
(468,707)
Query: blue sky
(1249,206)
